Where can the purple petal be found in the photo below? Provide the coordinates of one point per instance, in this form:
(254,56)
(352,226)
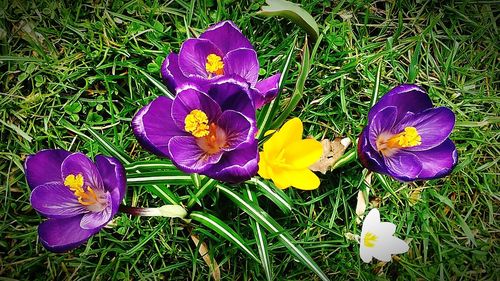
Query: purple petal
(368,156)
(189,99)
(226,36)
(60,235)
(55,200)
(236,166)
(44,166)
(193,57)
(403,166)
(172,74)
(232,94)
(189,157)
(267,90)
(434,125)
(153,126)
(79,163)
(238,129)
(438,161)
(244,63)
(382,122)
(93,220)
(407,98)
(113,177)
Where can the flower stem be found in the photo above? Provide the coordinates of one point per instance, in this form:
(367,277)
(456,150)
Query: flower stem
(171,211)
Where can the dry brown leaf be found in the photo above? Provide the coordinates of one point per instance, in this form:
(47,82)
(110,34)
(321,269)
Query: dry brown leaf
(332,151)
(203,250)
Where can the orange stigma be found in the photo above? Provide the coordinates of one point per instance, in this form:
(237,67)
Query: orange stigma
(388,144)
(85,197)
(214,141)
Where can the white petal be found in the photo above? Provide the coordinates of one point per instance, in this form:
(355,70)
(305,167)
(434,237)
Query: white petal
(364,253)
(396,245)
(381,254)
(371,221)
(386,229)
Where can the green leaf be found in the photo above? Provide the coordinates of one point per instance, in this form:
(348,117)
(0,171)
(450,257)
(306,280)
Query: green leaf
(73,107)
(261,239)
(267,113)
(294,13)
(93,117)
(208,185)
(274,194)
(157,84)
(150,165)
(162,177)
(259,215)
(223,230)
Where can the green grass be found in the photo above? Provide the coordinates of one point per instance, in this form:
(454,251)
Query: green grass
(68,66)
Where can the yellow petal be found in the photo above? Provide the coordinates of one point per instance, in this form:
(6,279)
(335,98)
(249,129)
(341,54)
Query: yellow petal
(291,131)
(263,166)
(304,179)
(281,178)
(269,132)
(303,153)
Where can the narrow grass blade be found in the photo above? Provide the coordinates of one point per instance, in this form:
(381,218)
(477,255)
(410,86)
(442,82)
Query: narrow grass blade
(299,88)
(271,225)
(201,192)
(267,113)
(274,194)
(112,149)
(162,177)
(377,86)
(159,85)
(261,239)
(152,165)
(347,158)
(223,230)
(294,13)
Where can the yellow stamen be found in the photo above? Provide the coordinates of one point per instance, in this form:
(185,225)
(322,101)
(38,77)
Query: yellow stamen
(370,239)
(214,65)
(196,123)
(388,144)
(75,184)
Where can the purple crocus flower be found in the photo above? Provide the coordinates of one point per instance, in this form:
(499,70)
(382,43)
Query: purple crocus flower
(77,195)
(407,138)
(222,50)
(208,132)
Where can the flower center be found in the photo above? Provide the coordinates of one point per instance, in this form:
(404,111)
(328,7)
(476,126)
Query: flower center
(214,141)
(214,65)
(88,197)
(370,239)
(196,123)
(388,145)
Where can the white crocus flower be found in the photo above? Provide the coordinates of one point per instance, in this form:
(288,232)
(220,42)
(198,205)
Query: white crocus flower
(377,239)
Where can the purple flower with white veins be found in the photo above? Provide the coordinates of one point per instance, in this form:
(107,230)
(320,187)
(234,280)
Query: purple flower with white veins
(78,196)
(208,132)
(407,138)
(221,51)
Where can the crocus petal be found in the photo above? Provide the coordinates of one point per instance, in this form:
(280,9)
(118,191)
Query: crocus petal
(244,63)
(193,57)
(434,125)
(79,163)
(54,200)
(237,127)
(381,253)
(365,253)
(189,157)
(280,177)
(189,99)
(290,132)
(439,161)
(113,177)
(368,156)
(98,219)
(303,179)
(407,98)
(395,245)
(172,74)
(371,221)
(226,36)
(59,235)
(303,153)
(403,166)
(266,90)
(153,126)
(383,121)
(44,166)
(236,166)
(232,93)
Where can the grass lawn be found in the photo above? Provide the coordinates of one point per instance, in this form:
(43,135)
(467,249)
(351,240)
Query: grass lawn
(67,67)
